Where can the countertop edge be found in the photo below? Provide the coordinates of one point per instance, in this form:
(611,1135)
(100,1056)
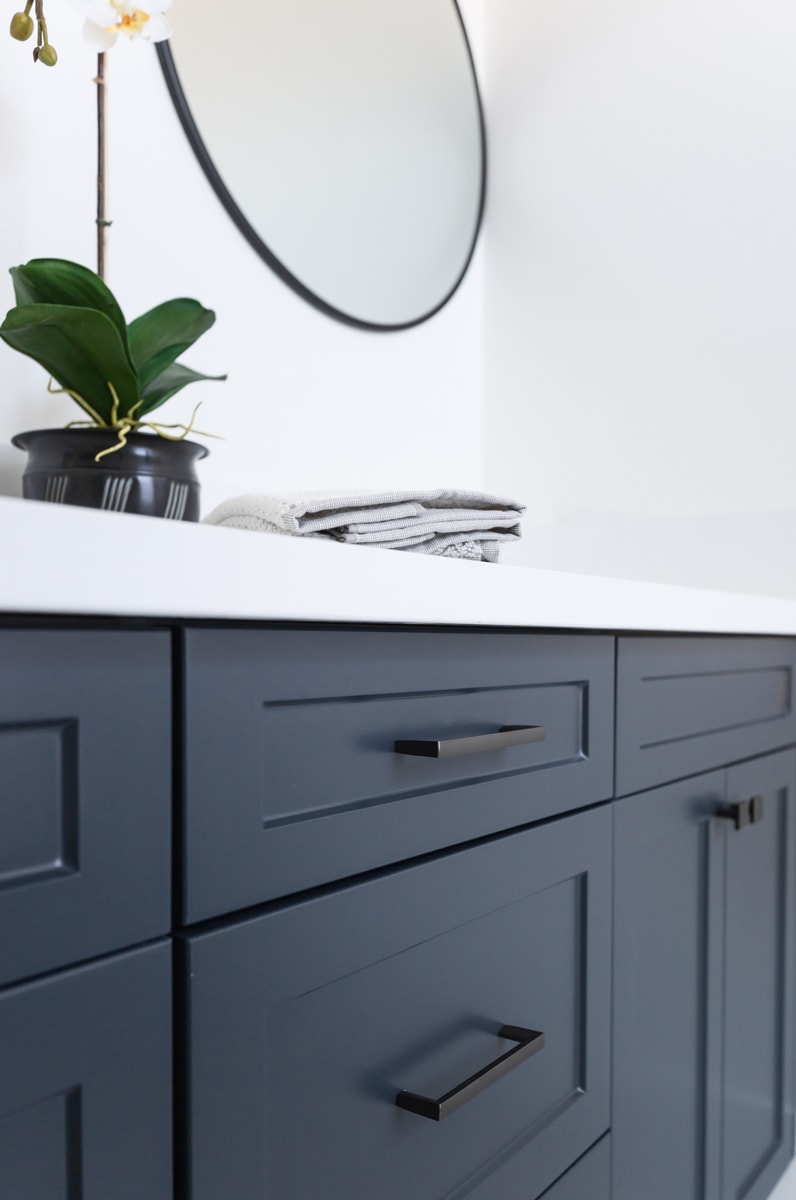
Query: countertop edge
(72,561)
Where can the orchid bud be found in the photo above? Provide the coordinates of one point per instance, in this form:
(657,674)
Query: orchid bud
(21,26)
(47,55)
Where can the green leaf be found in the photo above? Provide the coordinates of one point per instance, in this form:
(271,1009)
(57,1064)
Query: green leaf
(160,336)
(80,348)
(58,281)
(168,383)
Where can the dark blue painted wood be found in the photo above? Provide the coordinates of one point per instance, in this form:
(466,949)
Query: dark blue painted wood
(757,1079)
(85,818)
(306,1021)
(686,705)
(589,1179)
(703,987)
(85,1085)
(668,898)
(292,777)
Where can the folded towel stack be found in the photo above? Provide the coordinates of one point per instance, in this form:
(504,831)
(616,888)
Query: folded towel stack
(451,524)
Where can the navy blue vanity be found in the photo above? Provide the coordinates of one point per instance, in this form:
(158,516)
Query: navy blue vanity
(300,912)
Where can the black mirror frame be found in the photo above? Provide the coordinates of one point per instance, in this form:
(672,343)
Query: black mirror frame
(182,107)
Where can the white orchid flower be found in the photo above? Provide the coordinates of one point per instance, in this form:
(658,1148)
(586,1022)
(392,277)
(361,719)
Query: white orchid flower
(106,19)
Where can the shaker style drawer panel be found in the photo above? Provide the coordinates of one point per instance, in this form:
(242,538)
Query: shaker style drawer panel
(685,705)
(589,1179)
(292,770)
(85,1089)
(327,1036)
(85,799)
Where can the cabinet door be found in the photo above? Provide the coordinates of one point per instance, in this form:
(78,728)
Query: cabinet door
(758,1126)
(85,1086)
(703,963)
(85,794)
(669,850)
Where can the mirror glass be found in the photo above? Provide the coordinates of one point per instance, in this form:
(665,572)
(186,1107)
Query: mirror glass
(345,138)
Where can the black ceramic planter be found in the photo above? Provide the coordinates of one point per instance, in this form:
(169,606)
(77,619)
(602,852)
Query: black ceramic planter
(150,475)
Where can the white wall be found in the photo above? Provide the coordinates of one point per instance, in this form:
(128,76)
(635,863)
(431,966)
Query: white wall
(622,347)
(641,256)
(640,299)
(309,402)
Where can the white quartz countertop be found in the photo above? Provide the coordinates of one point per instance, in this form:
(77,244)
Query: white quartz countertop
(72,561)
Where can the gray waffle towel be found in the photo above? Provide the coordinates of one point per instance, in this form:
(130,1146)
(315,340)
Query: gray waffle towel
(444,522)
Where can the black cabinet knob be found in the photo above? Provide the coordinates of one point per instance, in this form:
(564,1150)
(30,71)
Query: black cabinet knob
(745,812)
(739,814)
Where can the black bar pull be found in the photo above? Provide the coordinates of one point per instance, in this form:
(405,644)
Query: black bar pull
(530,1041)
(507,735)
(756,810)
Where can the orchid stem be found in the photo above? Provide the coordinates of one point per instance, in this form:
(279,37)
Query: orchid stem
(102,221)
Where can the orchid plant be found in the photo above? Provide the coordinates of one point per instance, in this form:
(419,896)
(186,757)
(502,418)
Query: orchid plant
(65,317)
(22,26)
(105,21)
(71,323)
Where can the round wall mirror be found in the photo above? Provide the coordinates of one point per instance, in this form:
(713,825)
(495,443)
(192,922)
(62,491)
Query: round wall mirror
(345,138)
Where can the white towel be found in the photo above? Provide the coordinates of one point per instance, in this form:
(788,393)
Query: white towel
(448,523)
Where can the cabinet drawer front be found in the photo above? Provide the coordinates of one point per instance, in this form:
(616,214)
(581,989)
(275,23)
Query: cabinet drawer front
(589,1179)
(685,705)
(85,1089)
(85,817)
(306,1022)
(292,770)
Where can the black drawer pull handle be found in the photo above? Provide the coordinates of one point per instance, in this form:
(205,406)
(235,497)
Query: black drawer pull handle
(530,1042)
(747,812)
(507,735)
